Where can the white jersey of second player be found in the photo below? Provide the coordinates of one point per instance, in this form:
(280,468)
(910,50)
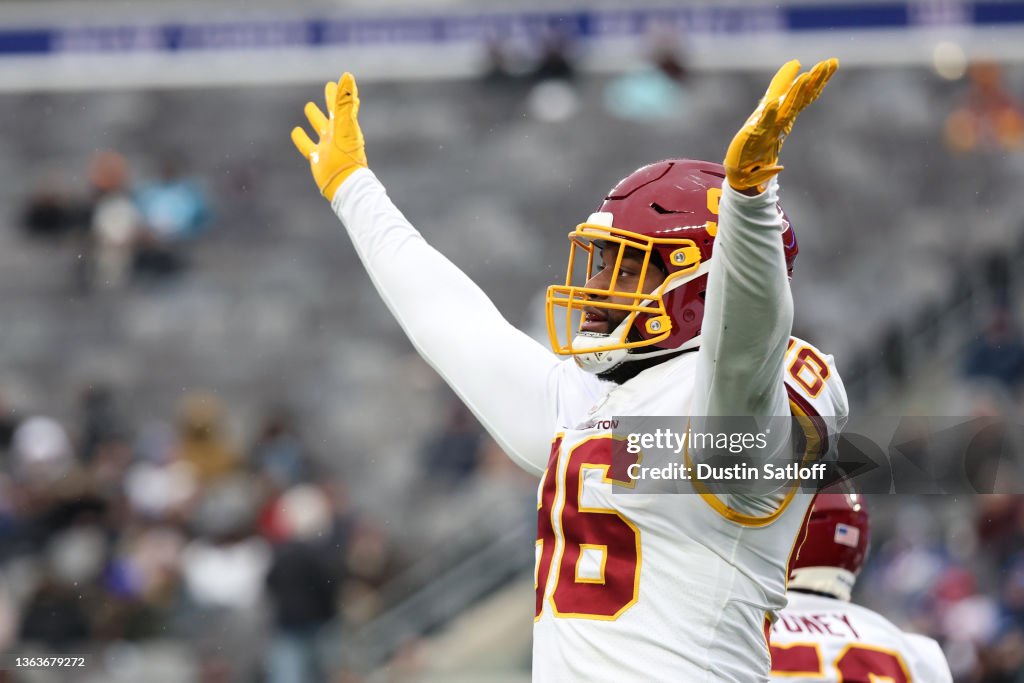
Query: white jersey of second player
(819,639)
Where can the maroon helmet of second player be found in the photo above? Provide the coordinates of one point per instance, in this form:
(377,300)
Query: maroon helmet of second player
(835,545)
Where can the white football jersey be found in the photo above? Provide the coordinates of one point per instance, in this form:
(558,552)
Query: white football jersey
(659,586)
(824,640)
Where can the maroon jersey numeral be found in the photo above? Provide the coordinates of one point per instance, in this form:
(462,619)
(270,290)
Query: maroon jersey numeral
(869,664)
(809,370)
(796,659)
(545,529)
(607,584)
(855,664)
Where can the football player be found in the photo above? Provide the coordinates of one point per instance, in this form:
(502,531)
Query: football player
(820,636)
(628,587)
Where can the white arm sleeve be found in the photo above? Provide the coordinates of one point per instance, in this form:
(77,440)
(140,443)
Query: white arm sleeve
(748,316)
(748,311)
(506,378)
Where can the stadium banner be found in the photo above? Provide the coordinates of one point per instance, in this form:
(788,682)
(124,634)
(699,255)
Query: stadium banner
(83,47)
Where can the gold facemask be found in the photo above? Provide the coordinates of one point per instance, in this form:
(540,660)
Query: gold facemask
(684,259)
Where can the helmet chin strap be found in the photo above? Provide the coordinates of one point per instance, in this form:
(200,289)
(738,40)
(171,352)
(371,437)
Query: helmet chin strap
(600,362)
(596,362)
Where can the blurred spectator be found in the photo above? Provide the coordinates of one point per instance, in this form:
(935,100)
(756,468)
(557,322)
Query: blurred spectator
(46,214)
(226,565)
(554,62)
(552,101)
(279,454)
(999,276)
(100,420)
(989,118)
(51,212)
(1013,592)
(277,522)
(303,583)
(42,451)
(146,571)
(112,459)
(964,613)
(174,206)
(998,353)
(669,56)
(9,421)
(371,557)
(370,563)
(645,94)
(203,444)
(226,574)
(228,509)
(656,90)
(154,257)
(1004,662)
(76,558)
(496,68)
(174,209)
(11,523)
(553,98)
(997,519)
(54,616)
(115,223)
(454,453)
(159,485)
(224,570)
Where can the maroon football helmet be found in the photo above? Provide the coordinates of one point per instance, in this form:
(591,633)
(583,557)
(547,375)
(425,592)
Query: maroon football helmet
(835,546)
(668,211)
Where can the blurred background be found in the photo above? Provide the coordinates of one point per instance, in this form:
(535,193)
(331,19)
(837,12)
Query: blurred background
(220,460)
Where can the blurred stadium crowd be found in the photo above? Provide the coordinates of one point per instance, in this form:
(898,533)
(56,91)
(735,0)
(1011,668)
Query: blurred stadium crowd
(954,574)
(214,436)
(172,536)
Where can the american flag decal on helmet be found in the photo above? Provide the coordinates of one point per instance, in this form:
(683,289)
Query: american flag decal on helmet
(847,535)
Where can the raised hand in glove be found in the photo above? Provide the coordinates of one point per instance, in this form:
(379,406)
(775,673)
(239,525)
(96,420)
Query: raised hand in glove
(340,149)
(753,155)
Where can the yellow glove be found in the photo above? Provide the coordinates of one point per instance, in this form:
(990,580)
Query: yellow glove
(341,149)
(753,156)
